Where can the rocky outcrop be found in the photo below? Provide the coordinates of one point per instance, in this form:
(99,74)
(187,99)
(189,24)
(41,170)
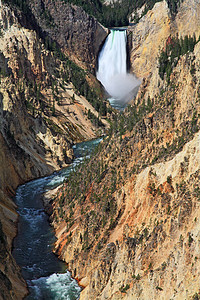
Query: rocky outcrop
(12,284)
(77,33)
(148,37)
(157,236)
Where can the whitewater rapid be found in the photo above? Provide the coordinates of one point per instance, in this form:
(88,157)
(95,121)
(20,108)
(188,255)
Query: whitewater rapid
(112,67)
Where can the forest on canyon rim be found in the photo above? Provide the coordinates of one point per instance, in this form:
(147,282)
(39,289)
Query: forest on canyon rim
(113,14)
(127,219)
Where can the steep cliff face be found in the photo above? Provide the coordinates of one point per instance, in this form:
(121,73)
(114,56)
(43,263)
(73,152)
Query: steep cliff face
(148,37)
(129,227)
(77,33)
(41,116)
(36,105)
(131,230)
(12,284)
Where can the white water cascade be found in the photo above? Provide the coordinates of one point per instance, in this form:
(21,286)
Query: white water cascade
(112,67)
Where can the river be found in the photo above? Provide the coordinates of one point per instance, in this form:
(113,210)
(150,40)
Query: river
(46,276)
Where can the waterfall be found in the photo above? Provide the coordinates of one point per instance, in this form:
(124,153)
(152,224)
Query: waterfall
(112,67)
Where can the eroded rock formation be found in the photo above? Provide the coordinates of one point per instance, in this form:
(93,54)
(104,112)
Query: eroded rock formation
(148,37)
(147,246)
(41,116)
(132,228)
(77,33)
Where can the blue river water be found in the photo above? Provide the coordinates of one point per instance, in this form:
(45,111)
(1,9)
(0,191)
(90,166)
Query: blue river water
(46,276)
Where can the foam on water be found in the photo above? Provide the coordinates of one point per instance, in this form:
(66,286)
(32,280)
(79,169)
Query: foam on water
(57,180)
(56,286)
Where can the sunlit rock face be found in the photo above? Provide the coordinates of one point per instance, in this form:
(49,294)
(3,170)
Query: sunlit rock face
(148,37)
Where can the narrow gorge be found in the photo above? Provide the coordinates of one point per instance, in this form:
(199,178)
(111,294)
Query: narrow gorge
(34,234)
(124,218)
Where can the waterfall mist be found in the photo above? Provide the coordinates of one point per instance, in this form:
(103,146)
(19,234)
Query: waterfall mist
(112,68)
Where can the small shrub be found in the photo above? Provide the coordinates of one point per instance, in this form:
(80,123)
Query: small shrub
(169,179)
(190,240)
(123,288)
(159,288)
(164,264)
(196,297)
(138,277)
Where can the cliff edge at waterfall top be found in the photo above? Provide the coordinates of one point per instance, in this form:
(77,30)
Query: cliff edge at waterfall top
(112,67)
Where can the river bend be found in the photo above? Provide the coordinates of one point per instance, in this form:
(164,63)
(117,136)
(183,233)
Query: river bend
(46,275)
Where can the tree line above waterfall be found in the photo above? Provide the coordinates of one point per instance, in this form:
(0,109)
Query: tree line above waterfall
(117,14)
(113,15)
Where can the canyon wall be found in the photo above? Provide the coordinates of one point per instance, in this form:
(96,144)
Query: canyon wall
(127,222)
(79,35)
(41,116)
(132,232)
(148,37)
(129,229)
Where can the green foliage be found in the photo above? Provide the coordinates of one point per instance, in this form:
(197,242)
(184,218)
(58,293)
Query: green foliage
(164,265)
(1,27)
(125,122)
(54,127)
(190,240)
(197,193)
(169,179)
(113,15)
(116,14)
(81,187)
(72,72)
(196,296)
(138,277)
(123,288)
(48,18)
(150,266)
(76,75)
(146,232)
(21,4)
(95,120)
(174,48)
